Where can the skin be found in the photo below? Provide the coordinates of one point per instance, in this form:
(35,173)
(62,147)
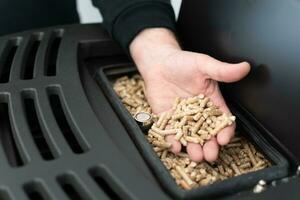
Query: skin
(170,72)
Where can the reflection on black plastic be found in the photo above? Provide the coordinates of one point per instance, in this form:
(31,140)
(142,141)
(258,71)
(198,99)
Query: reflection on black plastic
(35,129)
(7,139)
(6,63)
(53,53)
(64,124)
(27,72)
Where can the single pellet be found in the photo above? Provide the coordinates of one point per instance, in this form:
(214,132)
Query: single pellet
(161,144)
(184,176)
(235,169)
(163,132)
(250,154)
(179,134)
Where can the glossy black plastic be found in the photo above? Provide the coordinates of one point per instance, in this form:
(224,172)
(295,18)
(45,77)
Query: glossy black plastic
(265,33)
(106,76)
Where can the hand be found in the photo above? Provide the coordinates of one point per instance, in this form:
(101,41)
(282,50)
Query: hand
(170,72)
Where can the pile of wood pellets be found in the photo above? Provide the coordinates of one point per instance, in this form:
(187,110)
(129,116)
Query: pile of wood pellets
(193,119)
(196,120)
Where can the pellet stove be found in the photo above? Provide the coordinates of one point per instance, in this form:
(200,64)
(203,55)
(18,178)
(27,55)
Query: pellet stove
(64,135)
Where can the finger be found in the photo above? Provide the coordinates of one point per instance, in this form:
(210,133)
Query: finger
(176,146)
(226,134)
(222,71)
(211,150)
(195,152)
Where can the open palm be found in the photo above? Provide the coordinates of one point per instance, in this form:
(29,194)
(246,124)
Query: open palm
(186,74)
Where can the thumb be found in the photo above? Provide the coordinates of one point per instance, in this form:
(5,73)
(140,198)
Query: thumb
(222,71)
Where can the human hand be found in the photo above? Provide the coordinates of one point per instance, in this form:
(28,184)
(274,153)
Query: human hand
(170,72)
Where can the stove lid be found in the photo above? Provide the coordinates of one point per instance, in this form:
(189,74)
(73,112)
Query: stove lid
(265,33)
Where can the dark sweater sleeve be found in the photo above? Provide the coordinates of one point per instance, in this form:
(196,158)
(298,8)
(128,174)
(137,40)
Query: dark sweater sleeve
(124,19)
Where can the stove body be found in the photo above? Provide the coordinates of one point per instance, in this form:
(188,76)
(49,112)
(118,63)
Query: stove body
(61,138)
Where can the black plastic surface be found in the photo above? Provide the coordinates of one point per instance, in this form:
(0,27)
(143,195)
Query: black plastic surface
(106,77)
(59,135)
(60,139)
(18,16)
(266,33)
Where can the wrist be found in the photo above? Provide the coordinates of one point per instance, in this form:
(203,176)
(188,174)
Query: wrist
(151,47)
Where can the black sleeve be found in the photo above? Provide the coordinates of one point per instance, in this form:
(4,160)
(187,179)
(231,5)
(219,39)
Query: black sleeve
(124,19)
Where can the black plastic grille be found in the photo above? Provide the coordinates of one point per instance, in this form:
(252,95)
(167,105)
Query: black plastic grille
(55,140)
(27,71)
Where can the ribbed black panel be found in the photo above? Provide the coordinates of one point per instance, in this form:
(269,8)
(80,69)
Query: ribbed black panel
(52,140)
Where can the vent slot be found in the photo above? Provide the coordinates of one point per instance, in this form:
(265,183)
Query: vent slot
(53,53)
(71,187)
(6,60)
(7,139)
(36,191)
(4,195)
(104,185)
(27,72)
(33,194)
(63,124)
(35,129)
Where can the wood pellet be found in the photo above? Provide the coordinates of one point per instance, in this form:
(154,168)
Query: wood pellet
(196,120)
